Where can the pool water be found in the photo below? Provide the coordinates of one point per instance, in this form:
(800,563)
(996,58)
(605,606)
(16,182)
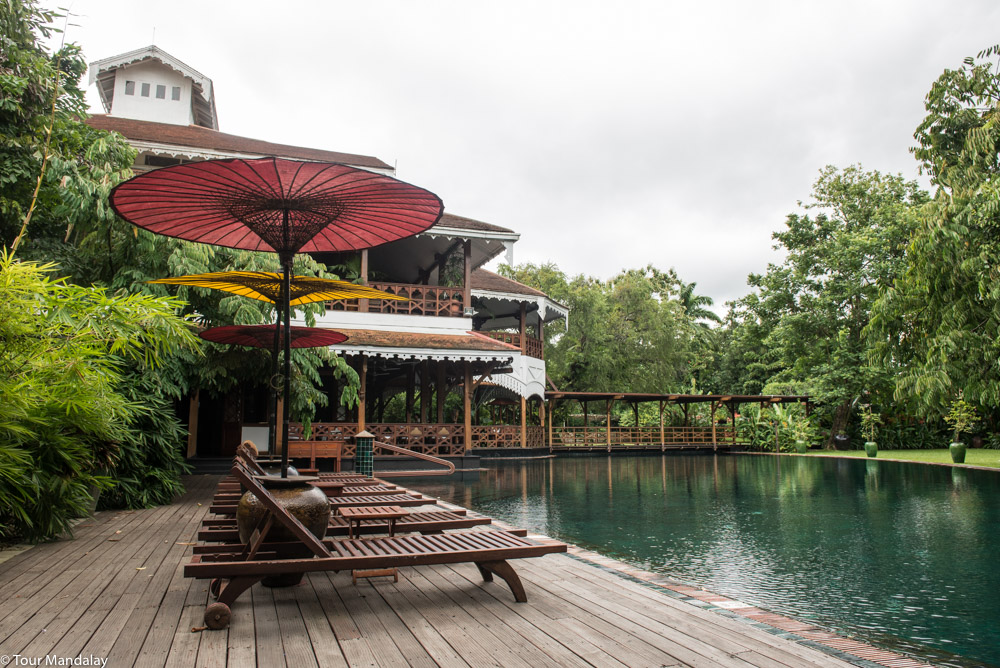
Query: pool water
(906,556)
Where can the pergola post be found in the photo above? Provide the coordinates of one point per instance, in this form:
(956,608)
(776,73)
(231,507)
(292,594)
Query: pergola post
(663,440)
(714,444)
(467,404)
(607,424)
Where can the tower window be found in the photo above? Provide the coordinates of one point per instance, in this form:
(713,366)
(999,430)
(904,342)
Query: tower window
(145,90)
(175,93)
(130,88)
(161,92)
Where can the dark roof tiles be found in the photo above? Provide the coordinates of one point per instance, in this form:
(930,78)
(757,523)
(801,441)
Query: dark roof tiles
(198,137)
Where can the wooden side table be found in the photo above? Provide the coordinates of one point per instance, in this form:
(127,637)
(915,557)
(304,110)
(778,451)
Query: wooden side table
(358,514)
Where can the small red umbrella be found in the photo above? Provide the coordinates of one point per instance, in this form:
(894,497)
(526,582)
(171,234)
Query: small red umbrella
(273,204)
(262,336)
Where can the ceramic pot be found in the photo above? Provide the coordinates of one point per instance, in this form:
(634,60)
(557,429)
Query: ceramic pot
(274,469)
(957,452)
(801,447)
(307,503)
(871,448)
(841,441)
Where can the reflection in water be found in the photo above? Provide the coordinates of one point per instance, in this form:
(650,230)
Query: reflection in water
(904,555)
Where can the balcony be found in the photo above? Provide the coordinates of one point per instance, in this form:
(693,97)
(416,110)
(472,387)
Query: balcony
(529,345)
(430,300)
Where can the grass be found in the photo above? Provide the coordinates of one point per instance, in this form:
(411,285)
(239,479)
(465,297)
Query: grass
(977,457)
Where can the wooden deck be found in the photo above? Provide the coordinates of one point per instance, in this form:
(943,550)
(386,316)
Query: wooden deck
(117,591)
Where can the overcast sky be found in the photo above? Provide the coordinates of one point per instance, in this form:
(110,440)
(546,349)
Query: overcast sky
(611,135)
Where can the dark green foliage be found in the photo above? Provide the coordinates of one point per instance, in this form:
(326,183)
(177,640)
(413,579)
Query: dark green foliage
(70,420)
(632,333)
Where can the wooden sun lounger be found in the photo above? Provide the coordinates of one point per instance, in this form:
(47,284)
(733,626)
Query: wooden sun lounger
(406,500)
(429,522)
(233,574)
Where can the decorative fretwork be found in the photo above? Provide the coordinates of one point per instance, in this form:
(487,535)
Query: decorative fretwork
(432,439)
(532,347)
(420,300)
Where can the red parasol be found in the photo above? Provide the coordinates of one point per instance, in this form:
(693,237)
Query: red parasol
(262,336)
(272,204)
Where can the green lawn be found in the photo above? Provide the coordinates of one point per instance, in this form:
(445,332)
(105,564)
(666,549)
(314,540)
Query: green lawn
(978,457)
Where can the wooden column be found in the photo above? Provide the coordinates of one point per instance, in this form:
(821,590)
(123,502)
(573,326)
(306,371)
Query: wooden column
(440,389)
(467,405)
(467,278)
(635,413)
(425,390)
(411,379)
(524,422)
(607,424)
(363,303)
(524,326)
(363,376)
(192,449)
(541,331)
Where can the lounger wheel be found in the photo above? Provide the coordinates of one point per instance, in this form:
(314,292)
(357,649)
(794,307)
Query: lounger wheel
(217,615)
(215,587)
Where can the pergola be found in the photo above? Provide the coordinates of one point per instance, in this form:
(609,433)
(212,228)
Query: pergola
(571,436)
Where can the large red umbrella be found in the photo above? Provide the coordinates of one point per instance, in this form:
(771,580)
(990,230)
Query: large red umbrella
(272,204)
(261,336)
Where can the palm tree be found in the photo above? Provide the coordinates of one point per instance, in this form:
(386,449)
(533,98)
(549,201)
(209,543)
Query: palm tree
(696,306)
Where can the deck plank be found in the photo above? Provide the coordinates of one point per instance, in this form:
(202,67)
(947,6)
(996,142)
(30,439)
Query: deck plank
(87,596)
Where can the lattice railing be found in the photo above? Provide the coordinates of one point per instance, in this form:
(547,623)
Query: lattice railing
(506,436)
(431,439)
(589,436)
(532,347)
(420,300)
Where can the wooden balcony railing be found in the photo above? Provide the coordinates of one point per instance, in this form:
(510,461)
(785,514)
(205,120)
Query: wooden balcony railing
(531,347)
(506,436)
(420,300)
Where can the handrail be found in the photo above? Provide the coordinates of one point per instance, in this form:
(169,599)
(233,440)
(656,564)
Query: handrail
(449,467)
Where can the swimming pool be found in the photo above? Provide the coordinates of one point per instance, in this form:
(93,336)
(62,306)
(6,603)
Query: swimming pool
(906,556)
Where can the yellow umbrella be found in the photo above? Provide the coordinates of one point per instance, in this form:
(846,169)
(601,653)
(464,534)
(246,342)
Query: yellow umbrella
(266,286)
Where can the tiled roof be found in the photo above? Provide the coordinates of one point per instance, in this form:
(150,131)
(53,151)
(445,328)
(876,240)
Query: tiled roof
(463,223)
(393,339)
(198,137)
(487,280)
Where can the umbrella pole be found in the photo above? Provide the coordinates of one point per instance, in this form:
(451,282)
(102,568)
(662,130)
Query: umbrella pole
(272,417)
(286,404)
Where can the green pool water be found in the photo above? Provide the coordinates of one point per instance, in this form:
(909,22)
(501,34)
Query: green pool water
(906,556)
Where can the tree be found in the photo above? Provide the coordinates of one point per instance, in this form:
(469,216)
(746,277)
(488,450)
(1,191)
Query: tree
(806,320)
(68,416)
(625,334)
(938,323)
